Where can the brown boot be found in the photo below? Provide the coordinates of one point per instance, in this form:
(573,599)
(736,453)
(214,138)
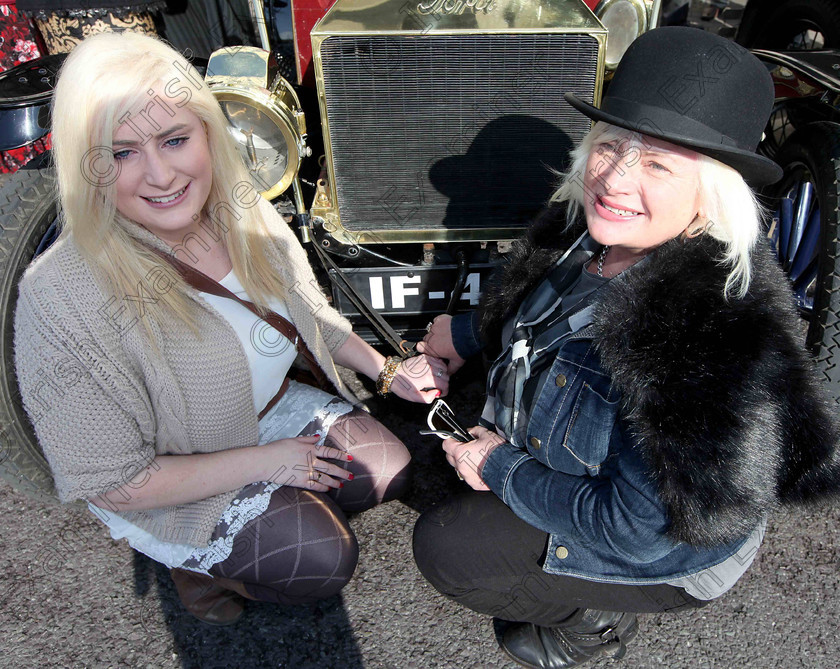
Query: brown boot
(234,586)
(205,598)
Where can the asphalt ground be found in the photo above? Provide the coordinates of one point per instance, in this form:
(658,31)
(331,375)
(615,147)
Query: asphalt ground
(72,597)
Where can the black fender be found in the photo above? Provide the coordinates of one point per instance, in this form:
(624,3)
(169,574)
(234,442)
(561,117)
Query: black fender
(804,74)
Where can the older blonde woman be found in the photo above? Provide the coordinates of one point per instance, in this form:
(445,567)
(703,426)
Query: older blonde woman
(169,296)
(650,401)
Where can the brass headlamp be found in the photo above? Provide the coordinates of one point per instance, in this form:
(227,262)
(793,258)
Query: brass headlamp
(265,116)
(625,20)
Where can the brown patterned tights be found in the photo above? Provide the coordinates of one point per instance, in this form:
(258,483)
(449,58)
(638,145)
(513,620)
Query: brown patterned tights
(301,548)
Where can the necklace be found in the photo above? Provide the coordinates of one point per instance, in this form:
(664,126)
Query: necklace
(601,259)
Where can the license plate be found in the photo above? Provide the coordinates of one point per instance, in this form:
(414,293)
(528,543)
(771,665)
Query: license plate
(406,291)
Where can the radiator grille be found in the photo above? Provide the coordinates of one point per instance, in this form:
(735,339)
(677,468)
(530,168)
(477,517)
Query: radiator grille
(451,131)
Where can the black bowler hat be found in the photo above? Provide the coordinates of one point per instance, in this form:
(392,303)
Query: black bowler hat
(694,89)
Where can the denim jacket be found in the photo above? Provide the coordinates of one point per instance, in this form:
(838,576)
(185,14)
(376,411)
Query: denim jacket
(572,471)
(575,475)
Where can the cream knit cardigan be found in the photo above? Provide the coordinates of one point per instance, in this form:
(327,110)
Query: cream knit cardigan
(103,403)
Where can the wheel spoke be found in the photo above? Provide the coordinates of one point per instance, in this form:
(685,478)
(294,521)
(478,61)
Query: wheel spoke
(773,233)
(796,235)
(785,126)
(806,251)
(803,288)
(804,200)
(809,38)
(49,237)
(783,228)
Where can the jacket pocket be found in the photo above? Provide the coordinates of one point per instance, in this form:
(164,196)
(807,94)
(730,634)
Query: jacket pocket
(586,441)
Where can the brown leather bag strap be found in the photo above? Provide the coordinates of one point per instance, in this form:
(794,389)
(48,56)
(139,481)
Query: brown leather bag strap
(200,281)
(274,400)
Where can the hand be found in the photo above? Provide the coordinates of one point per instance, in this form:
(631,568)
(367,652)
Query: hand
(421,379)
(468,458)
(300,462)
(438,342)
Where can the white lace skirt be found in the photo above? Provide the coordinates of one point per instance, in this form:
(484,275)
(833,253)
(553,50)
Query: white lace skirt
(300,406)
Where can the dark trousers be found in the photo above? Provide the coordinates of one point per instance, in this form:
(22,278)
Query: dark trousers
(474,550)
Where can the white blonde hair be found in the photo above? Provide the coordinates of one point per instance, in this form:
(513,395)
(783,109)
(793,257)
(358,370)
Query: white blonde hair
(733,213)
(104,78)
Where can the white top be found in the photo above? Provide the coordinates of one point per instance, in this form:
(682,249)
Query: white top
(270,354)
(714,581)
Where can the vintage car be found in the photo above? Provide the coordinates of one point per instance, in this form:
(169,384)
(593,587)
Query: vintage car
(441,125)
(418,138)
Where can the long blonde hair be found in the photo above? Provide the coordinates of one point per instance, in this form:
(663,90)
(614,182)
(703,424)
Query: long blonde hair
(732,209)
(104,78)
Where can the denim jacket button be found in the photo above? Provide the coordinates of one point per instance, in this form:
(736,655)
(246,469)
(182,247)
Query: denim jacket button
(562,552)
(535,442)
(560,380)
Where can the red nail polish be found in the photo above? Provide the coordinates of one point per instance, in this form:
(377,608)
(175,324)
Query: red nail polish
(349,457)
(340,485)
(351,477)
(438,394)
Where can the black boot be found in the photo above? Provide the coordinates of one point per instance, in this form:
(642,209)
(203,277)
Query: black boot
(584,635)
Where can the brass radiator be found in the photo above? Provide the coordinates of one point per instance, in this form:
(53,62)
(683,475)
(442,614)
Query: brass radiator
(448,126)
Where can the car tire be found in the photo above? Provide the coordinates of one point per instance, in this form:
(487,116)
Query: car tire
(28,212)
(810,159)
(775,24)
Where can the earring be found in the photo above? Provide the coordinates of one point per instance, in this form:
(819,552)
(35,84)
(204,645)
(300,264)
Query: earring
(696,231)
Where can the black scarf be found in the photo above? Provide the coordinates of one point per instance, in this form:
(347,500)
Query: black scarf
(719,394)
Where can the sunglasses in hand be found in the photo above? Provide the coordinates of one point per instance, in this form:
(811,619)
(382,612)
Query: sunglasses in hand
(442,423)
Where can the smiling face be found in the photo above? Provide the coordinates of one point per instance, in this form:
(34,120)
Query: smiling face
(165,170)
(639,195)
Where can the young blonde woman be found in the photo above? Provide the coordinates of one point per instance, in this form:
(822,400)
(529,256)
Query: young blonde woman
(180,426)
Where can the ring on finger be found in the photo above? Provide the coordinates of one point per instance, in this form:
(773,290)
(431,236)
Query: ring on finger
(429,327)
(317,478)
(439,373)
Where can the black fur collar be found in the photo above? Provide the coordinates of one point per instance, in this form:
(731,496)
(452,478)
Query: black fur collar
(718,393)
(526,264)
